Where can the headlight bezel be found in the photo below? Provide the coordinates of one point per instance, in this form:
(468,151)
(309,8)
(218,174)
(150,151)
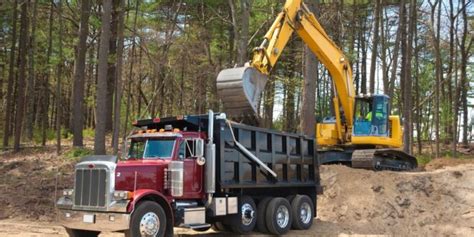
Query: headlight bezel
(122,195)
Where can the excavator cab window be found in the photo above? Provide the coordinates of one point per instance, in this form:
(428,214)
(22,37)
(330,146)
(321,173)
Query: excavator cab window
(371,116)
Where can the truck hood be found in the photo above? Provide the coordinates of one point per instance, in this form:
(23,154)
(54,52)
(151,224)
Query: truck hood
(149,174)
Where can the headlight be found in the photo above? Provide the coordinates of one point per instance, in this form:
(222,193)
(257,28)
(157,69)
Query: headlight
(68,192)
(123,195)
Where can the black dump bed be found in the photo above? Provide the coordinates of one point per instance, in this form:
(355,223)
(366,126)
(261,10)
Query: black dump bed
(291,156)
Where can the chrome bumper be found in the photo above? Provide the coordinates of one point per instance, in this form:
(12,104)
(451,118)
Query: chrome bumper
(97,221)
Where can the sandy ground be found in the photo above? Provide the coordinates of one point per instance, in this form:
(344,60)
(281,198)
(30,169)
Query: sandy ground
(435,202)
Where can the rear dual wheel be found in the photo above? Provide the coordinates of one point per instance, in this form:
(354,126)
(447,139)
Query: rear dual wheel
(278,215)
(303,212)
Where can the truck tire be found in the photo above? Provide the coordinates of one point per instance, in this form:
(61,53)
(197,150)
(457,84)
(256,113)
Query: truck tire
(82,233)
(148,220)
(278,216)
(303,212)
(261,210)
(245,221)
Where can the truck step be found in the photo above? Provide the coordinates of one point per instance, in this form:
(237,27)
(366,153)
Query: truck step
(197,226)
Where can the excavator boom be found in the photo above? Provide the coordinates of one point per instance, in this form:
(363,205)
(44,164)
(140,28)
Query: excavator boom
(240,88)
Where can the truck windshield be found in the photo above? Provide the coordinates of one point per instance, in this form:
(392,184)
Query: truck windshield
(151,149)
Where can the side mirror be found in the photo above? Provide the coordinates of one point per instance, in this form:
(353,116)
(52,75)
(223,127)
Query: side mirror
(199,147)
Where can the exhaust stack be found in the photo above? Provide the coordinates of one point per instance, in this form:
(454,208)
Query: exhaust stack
(210,177)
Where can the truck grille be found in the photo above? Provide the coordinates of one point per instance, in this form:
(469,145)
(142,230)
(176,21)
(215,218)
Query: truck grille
(90,187)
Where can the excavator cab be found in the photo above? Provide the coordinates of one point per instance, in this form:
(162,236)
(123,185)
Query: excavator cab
(371,116)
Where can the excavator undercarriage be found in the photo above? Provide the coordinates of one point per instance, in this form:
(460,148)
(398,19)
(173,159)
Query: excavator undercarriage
(372,159)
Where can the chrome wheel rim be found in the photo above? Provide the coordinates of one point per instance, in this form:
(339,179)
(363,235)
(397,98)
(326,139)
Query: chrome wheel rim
(305,213)
(149,225)
(248,214)
(282,216)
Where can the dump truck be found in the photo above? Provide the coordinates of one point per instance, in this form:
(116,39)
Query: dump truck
(198,172)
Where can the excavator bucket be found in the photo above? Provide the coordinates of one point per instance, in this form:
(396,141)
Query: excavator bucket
(239,90)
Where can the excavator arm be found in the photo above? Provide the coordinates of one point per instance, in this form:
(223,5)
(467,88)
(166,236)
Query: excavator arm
(295,17)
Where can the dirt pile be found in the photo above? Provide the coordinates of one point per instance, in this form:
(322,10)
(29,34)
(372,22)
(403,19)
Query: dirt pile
(439,202)
(30,182)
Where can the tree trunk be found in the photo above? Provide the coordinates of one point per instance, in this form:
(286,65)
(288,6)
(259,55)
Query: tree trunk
(235,30)
(310,76)
(407,81)
(465,49)
(58,80)
(363,70)
(11,78)
(101,92)
(396,50)
(45,88)
(375,42)
(112,70)
(79,76)
(118,82)
(31,89)
(242,57)
(20,99)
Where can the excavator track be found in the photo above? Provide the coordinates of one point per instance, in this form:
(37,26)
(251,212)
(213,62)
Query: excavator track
(383,159)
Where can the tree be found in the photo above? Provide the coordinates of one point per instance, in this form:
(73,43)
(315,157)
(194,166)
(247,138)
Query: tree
(11,78)
(310,76)
(59,73)
(407,81)
(375,43)
(31,89)
(79,74)
(23,50)
(118,82)
(101,93)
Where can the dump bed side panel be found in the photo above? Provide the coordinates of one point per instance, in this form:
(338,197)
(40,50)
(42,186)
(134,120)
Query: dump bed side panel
(291,156)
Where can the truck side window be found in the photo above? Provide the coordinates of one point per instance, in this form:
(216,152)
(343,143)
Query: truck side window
(182,150)
(187,149)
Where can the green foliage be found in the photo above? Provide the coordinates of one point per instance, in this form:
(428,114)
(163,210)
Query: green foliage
(88,133)
(76,153)
(38,135)
(423,159)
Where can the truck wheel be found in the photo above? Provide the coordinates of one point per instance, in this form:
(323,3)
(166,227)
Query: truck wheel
(302,210)
(245,221)
(81,233)
(261,210)
(148,220)
(278,216)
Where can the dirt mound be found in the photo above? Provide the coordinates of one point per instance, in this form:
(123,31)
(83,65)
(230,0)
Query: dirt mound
(30,181)
(439,202)
(447,162)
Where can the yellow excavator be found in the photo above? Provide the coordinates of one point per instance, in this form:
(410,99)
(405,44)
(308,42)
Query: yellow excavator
(362,133)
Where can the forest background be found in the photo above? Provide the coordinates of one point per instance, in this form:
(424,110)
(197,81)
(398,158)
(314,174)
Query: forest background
(77,69)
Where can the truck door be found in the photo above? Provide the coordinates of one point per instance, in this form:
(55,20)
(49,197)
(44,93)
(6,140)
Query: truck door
(192,171)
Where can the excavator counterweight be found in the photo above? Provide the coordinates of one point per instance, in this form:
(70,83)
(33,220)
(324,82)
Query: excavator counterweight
(240,89)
